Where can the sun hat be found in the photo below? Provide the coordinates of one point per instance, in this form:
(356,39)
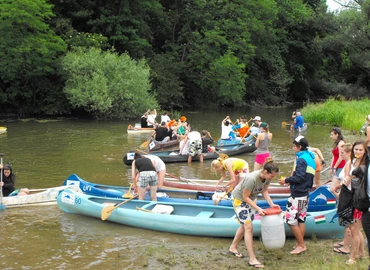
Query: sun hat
(302,141)
(171,123)
(257,118)
(182,118)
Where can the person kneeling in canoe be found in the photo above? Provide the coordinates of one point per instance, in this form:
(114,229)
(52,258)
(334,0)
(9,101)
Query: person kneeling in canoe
(8,182)
(245,206)
(300,183)
(144,174)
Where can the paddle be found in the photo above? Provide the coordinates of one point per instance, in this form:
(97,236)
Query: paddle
(221,155)
(128,194)
(246,134)
(223,196)
(144,210)
(107,211)
(145,144)
(2,207)
(181,179)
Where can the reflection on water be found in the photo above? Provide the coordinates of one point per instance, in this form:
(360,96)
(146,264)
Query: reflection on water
(45,154)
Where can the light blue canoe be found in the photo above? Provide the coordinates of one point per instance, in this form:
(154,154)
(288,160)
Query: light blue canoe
(188,219)
(321,199)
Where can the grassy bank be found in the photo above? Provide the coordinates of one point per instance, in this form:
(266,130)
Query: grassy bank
(349,115)
(319,256)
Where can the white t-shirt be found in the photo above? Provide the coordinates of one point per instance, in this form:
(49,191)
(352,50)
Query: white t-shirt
(159,164)
(151,119)
(225,131)
(194,136)
(165,118)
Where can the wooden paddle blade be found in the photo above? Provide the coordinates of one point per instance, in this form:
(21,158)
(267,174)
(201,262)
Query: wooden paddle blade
(145,144)
(223,156)
(107,210)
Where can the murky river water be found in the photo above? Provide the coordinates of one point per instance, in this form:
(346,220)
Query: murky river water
(44,154)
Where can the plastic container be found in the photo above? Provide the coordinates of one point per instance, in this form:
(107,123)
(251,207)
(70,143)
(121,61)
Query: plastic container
(272,228)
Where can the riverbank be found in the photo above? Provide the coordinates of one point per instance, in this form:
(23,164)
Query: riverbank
(350,115)
(319,256)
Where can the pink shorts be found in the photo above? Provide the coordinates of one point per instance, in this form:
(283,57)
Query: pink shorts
(260,158)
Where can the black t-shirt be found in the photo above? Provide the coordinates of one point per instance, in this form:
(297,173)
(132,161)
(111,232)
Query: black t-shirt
(161,133)
(144,164)
(205,142)
(144,123)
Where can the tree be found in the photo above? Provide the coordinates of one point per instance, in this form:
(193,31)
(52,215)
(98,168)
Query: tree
(29,52)
(106,84)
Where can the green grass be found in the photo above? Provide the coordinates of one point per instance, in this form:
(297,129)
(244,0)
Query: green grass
(350,115)
(319,256)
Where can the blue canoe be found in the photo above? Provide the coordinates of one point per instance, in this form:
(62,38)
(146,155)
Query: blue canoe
(320,200)
(188,219)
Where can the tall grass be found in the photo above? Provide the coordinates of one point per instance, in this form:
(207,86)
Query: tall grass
(350,115)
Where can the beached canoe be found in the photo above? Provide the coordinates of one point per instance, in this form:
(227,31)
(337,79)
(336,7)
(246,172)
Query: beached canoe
(320,199)
(37,197)
(173,156)
(138,130)
(188,219)
(156,145)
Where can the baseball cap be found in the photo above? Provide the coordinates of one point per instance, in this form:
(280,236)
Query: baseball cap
(257,118)
(263,124)
(302,141)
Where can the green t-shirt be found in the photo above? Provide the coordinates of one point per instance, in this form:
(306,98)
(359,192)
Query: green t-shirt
(250,182)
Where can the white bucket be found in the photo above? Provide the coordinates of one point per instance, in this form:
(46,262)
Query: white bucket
(273,231)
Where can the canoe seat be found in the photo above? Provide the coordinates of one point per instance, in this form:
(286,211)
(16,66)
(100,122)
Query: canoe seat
(205,214)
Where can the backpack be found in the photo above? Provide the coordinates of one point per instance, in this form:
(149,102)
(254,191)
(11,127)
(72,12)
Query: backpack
(359,187)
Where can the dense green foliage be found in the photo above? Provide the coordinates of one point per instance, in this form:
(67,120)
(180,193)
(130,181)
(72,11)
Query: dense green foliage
(107,84)
(350,115)
(198,53)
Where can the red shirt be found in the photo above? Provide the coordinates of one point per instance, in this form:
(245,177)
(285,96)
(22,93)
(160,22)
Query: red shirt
(335,153)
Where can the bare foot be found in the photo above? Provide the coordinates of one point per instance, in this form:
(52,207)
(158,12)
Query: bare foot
(298,250)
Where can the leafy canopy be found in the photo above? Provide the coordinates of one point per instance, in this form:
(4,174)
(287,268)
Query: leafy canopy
(106,84)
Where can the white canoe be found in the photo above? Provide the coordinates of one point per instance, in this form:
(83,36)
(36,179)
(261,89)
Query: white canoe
(37,197)
(3,129)
(138,130)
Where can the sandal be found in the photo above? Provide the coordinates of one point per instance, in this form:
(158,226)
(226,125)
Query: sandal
(337,245)
(350,262)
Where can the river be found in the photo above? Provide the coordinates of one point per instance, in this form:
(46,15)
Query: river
(44,153)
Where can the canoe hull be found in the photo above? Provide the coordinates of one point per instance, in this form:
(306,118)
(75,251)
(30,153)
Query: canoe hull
(320,199)
(188,219)
(173,156)
(46,197)
(155,145)
(138,130)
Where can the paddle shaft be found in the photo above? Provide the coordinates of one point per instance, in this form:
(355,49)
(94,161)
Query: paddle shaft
(1,180)
(118,205)
(144,210)
(223,196)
